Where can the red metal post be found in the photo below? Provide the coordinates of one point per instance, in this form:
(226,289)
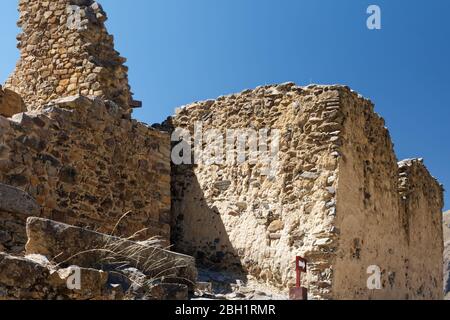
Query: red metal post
(299,293)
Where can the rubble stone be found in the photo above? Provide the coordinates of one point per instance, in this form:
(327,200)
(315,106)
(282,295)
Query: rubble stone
(25,279)
(68,245)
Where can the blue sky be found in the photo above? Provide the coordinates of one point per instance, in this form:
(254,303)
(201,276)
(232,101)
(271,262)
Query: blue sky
(182,51)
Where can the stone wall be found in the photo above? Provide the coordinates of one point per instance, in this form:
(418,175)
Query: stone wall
(109,268)
(335,198)
(447,255)
(421,203)
(375,229)
(87,166)
(10,103)
(257,223)
(15,207)
(65,50)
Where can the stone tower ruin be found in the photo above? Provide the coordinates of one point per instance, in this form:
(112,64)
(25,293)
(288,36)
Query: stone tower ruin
(65,50)
(339,197)
(76,150)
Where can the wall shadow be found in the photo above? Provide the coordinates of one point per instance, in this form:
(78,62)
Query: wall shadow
(198,229)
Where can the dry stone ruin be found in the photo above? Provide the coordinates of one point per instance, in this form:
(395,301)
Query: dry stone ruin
(75,165)
(65,50)
(340,199)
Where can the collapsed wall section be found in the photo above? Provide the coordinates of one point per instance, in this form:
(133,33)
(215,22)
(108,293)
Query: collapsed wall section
(65,50)
(234,217)
(88,167)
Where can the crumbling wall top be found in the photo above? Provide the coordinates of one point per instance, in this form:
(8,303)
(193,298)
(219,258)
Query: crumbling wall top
(66,50)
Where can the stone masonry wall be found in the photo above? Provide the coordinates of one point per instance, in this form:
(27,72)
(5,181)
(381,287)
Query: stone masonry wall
(86,166)
(335,198)
(255,223)
(338,197)
(421,203)
(372,224)
(367,205)
(65,50)
(15,207)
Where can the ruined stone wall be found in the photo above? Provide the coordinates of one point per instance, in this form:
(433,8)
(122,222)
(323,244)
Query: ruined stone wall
(65,50)
(15,207)
(367,205)
(421,203)
(335,198)
(87,167)
(233,215)
(374,228)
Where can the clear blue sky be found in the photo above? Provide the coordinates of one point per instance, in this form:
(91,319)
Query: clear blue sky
(182,51)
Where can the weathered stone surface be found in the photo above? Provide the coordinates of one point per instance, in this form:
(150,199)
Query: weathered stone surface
(10,103)
(15,207)
(87,167)
(336,199)
(221,285)
(72,102)
(69,245)
(92,266)
(447,255)
(27,279)
(169,291)
(14,200)
(65,50)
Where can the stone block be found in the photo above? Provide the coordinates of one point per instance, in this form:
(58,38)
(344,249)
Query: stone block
(69,245)
(10,103)
(15,207)
(14,200)
(23,278)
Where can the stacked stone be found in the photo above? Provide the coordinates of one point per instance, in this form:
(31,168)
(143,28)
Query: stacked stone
(334,201)
(421,202)
(87,166)
(258,224)
(372,231)
(15,207)
(65,50)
